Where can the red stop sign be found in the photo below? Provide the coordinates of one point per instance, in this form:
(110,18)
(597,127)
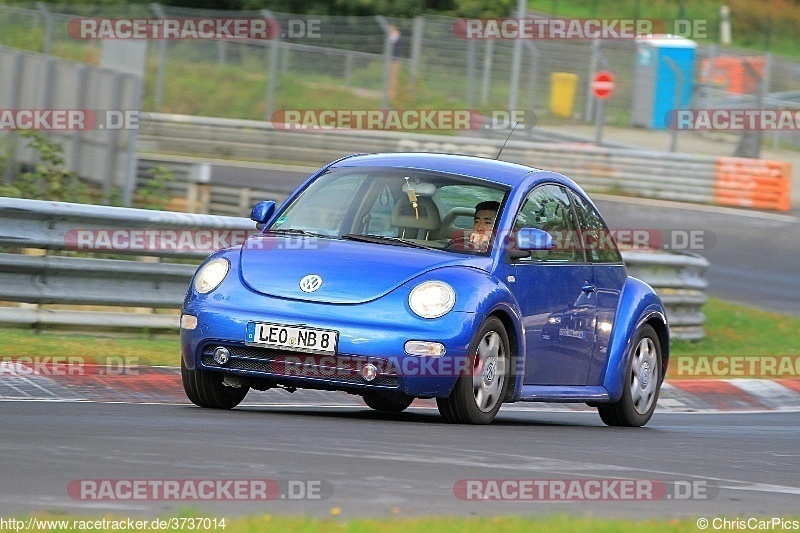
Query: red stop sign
(603,85)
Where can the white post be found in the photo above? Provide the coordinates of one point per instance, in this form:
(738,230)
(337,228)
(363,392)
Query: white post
(724,25)
(516,62)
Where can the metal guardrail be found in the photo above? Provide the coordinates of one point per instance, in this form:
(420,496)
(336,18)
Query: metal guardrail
(683,177)
(53,225)
(140,280)
(35,225)
(678,279)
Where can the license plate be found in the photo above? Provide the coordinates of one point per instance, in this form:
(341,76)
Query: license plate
(293,338)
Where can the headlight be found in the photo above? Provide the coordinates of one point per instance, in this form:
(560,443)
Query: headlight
(211,275)
(432,299)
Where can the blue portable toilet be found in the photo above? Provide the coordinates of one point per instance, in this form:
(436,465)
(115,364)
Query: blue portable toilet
(658,88)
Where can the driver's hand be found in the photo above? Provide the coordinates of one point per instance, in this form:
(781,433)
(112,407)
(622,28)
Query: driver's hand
(479,240)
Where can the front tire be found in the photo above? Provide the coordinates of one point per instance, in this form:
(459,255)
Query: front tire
(642,383)
(388,402)
(478,394)
(206,389)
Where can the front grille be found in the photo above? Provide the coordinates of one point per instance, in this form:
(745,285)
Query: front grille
(343,368)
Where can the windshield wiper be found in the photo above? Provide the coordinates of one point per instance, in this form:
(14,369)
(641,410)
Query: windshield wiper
(381,239)
(293,231)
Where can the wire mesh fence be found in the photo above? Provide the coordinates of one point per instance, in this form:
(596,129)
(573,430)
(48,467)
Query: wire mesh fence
(335,62)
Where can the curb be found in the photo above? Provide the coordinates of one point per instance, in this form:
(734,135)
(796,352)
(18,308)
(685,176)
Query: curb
(163,385)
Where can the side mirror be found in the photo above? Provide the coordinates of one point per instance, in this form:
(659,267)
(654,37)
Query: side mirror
(262,212)
(532,239)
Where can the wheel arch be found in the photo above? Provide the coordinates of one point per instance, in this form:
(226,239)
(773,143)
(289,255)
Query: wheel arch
(492,298)
(639,305)
(516,341)
(662,330)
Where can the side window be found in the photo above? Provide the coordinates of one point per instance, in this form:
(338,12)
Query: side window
(457,204)
(547,207)
(595,236)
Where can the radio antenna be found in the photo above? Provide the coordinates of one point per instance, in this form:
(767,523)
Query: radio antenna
(506,141)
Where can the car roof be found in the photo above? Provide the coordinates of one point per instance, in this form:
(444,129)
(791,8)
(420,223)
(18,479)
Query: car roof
(480,167)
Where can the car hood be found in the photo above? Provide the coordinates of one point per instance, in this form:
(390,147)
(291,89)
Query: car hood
(352,272)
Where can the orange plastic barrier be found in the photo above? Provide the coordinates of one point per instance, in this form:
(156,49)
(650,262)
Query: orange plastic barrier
(730,73)
(756,183)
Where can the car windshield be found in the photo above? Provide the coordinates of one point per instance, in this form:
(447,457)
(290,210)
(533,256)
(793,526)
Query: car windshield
(393,206)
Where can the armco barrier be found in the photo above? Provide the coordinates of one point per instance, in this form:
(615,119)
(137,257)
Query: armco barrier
(679,280)
(682,177)
(141,281)
(81,280)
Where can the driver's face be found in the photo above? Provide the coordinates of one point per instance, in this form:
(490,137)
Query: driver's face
(484,221)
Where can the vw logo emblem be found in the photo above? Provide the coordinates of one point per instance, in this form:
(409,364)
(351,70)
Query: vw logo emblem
(310,283)
(644,376)
(489,374)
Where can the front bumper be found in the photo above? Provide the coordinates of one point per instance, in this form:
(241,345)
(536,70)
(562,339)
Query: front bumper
(370,333)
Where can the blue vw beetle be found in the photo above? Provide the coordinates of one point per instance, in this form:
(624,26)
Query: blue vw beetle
(374,278)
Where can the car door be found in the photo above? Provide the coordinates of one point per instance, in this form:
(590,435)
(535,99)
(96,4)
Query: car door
(608,278)
(554,293)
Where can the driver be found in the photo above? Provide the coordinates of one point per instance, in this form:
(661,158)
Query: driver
(482,225)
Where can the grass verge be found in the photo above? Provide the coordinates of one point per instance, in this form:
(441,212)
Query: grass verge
(735,329)
(101,348)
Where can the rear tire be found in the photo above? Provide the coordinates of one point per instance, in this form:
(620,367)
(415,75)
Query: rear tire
(479,392)
(642,383)
(388,402)
(207,390)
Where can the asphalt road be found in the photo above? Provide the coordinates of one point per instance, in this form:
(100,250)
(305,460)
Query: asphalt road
(754,255)
(369,464)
